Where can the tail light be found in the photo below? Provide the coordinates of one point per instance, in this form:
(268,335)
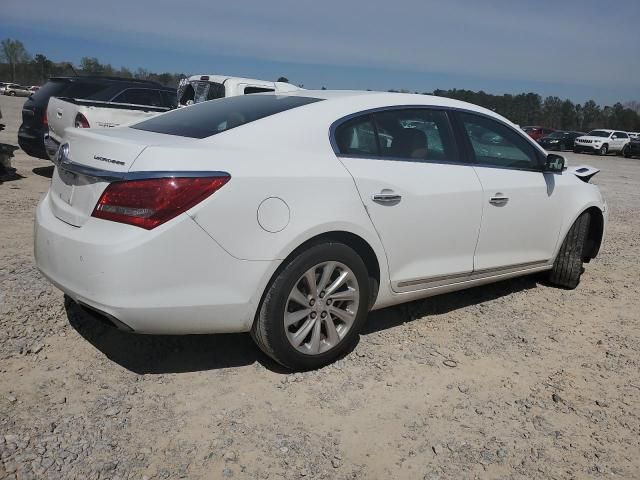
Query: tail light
(45,120)
(152,202)
(81,121)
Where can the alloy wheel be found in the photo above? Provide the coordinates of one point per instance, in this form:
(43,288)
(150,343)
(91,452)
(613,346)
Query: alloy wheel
(321,308)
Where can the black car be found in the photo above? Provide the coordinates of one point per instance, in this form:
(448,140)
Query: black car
(632,149)
(34,111)
(560,140)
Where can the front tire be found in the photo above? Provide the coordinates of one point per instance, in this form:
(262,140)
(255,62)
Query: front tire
(626,151)
(314,308)
(12,94)
(567,267)
(604,149)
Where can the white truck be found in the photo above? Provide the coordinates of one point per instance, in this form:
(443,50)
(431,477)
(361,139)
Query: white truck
(119,103)
(200,88)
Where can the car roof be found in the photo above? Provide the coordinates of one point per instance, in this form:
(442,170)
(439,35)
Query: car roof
(107,79)
(223,78)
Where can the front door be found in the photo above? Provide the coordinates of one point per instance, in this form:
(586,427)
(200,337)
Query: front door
(521,214)
(424,204)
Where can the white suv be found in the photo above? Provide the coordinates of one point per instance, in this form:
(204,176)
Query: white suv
(602,141)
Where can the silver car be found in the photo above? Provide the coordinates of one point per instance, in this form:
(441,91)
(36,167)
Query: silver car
(15,90)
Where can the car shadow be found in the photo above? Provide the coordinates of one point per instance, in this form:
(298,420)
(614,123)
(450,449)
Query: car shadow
(161,354)
(397,315)
(44,171)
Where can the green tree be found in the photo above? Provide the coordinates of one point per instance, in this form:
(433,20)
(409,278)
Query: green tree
(590,115)
(91,65)
(14,53)
(43,65)
(283,79)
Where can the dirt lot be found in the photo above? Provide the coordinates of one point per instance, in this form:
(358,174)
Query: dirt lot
(541,382)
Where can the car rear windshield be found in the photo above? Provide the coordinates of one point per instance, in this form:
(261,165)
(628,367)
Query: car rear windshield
(209,118)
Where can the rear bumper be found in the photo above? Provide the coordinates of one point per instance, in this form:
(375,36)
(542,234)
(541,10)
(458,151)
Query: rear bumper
(174,279)
(32,142)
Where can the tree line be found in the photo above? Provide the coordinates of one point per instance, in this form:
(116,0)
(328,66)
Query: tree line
(17,65)
(531,109)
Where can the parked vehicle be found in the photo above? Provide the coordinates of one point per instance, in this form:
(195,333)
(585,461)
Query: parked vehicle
(34,125)
(286,216)
(34,88)
(127,105)
(601,141)
(633,135)
(560,140)
(632,149)
(538,132)
(3,86)
(200,88)
(15,90)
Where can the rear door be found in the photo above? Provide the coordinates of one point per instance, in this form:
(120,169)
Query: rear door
(424,203)
(521,211)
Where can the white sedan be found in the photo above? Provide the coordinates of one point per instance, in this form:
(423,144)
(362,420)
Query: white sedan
(291,216)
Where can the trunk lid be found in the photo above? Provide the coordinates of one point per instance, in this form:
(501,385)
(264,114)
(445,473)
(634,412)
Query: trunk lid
(74,195)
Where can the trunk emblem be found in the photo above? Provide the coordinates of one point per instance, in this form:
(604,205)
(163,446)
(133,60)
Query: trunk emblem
(107,160)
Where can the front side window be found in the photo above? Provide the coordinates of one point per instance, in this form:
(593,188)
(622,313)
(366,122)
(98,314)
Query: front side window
(495,144)
(210,118)
(415,134)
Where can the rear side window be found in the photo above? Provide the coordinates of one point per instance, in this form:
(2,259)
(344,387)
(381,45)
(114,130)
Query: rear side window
(210,118)
(249,90)
(495,144)
(140,96)
(170,99)
(357,137)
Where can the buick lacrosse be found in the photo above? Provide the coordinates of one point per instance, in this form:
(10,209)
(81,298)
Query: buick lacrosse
(292,216)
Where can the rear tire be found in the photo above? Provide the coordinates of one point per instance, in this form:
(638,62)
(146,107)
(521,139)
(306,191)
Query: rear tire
(604,149)
(567,266)
(290,289)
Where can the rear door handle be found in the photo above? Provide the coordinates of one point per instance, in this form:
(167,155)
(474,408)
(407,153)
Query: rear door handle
(386,196)
(499,200)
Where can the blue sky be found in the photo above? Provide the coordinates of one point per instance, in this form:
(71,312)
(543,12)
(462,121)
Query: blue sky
(576,49)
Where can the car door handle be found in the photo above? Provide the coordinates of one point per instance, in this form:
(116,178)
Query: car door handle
(386,196)
(499,200)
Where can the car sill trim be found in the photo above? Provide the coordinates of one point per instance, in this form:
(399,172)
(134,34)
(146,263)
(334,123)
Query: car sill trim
(475,275)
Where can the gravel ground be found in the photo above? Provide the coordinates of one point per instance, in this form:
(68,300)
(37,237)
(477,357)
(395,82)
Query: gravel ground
(513,380)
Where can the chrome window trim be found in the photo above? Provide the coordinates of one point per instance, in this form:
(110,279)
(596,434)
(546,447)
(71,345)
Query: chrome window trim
(346,118)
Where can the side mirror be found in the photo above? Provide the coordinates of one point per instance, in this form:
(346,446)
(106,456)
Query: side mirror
(554,163)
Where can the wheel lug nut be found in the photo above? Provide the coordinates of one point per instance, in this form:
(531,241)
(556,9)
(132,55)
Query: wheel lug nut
(313,315)
(321,294)
(329,302)
(312,302)
(323,314)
